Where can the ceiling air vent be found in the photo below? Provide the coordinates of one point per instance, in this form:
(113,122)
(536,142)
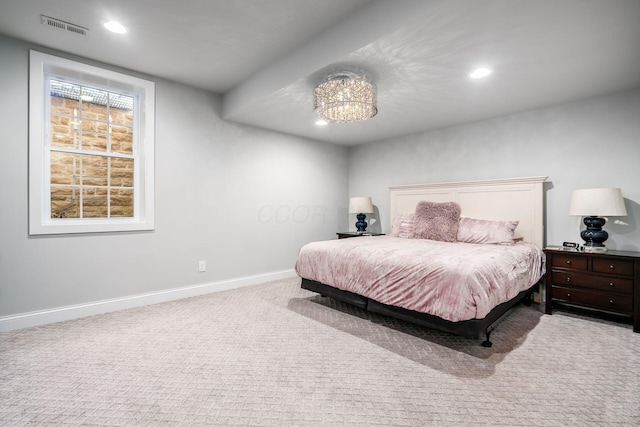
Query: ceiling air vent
(53,22)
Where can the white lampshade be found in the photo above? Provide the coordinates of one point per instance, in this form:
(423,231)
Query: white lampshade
(360,205)
(598,202)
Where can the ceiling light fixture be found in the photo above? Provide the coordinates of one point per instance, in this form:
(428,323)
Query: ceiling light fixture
(115,27)
(345,97)
(479,73)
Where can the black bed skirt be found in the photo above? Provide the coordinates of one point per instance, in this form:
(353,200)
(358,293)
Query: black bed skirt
(472,329)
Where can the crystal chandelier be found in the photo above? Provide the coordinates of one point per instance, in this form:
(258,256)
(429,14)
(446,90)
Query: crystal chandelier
(345,97)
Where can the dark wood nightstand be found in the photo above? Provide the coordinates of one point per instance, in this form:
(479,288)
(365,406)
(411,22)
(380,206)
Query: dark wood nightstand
(347,234)
(607,281)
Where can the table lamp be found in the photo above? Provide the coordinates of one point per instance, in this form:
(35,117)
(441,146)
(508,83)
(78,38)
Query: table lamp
(593,204)
(360,206)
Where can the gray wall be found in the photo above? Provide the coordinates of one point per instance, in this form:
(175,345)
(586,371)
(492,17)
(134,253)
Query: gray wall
(243,199)
(587,144)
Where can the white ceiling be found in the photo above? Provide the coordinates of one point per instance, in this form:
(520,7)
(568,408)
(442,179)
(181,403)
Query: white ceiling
(265,56)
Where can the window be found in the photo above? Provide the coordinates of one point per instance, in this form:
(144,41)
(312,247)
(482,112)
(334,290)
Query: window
(91,148)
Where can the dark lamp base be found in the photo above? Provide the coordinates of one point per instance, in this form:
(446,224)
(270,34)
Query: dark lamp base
(361,225)
(594,236)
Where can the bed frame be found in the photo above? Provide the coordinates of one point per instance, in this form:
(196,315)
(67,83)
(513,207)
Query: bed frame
(518,199)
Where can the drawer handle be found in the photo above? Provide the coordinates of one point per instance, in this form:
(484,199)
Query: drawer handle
(610,301)
(611,284)
(568,279)
(568,262)
(612,267)
(569,295)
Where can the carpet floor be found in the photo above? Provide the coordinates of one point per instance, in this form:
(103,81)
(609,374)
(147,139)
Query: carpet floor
(278,355)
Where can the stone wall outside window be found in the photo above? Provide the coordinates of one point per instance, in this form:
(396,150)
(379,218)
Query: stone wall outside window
(84,125)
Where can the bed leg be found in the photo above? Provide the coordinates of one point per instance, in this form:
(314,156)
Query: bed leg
(528,300)
(487,343)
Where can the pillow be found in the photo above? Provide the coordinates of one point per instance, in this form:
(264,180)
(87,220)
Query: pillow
(471,230)
(436,221)
(403,226)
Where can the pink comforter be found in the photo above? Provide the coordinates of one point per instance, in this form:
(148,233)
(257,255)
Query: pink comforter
(454,281)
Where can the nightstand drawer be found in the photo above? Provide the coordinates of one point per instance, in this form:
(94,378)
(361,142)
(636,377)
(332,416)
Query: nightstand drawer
(574,262)
(614,266)
(609,302)
(602,283)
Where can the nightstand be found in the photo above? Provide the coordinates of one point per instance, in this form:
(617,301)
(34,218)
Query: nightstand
(347,234)
(607,282)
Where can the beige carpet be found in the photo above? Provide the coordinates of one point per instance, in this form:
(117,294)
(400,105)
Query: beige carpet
(277,355)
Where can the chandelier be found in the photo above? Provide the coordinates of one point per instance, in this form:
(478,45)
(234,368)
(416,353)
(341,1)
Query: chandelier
(345,97)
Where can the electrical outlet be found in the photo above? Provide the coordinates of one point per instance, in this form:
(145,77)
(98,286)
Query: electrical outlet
(202,266)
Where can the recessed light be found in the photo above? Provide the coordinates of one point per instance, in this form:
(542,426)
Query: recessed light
(115,27)
(479,73)
(321,122)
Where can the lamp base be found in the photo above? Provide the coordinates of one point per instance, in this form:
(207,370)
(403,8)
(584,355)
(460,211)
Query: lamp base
(596,249)
(594,236)
(361,225)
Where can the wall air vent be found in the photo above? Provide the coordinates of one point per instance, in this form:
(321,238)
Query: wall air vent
(53,22)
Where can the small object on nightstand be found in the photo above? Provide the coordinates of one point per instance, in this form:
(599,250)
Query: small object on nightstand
(570,245)
(562,248)
(607,282)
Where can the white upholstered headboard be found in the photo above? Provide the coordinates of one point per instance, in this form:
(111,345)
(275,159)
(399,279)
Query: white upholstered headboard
(514,199)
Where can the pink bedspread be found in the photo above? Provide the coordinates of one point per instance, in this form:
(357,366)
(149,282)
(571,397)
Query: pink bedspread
(454,281)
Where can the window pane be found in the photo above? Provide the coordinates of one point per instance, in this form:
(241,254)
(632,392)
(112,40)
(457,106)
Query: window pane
(94,170)
(65,168)
(121,108)
(94,104)
(94,141)
(64,90)
(64,122)
(121,139)
(89,125)
(122,117)
(65,202)
(62,134)
(121,172)
(121,202)
(95,203)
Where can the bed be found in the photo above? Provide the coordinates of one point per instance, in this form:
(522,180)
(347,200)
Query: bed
(458,257)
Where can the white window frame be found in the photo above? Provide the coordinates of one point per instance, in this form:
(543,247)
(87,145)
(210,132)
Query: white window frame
(41,67)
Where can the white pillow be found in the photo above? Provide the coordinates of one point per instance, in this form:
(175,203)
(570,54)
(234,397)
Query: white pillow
(471,230)
(403,226)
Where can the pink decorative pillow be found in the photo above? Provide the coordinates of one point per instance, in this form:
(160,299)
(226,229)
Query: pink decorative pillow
(473,230)
(436,221)
(403,226)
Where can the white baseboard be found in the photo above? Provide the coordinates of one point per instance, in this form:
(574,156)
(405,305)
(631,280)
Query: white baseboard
(59,314)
